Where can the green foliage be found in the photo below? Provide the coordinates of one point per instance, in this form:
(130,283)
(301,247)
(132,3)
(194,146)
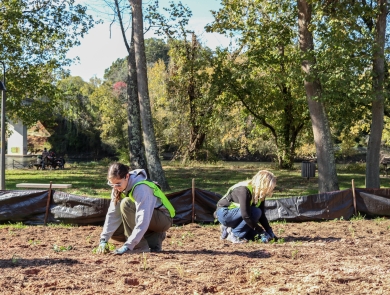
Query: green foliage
(188,82)
(357,217)
(144,261)
(295,254)
(34,242)
(77,125)
(262,73)
(17,225)
(112,109)
(156,50)
(86,191)
(279,241)
(254,275)
(117,71)
(354,167)
(61,225)
(379,220)
(282,222)
(15,259)
(105,162)
(57,248)
(35,37)
(109,247)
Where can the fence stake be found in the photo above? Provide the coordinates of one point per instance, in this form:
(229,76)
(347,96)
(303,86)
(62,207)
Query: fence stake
(193,200)
(47,204)
(354,196)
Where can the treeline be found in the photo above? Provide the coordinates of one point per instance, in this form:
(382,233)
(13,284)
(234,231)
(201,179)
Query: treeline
(243,103)
(300,79)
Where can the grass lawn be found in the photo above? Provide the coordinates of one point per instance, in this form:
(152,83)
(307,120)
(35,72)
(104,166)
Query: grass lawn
(89,179)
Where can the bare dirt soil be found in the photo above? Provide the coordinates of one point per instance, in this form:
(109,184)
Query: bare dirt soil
(335,257)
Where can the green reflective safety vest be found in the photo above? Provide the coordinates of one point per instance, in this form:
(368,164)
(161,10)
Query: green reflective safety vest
(237,205)
(157,193)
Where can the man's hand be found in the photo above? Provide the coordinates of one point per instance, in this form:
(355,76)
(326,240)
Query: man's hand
(101,249)
(121,250)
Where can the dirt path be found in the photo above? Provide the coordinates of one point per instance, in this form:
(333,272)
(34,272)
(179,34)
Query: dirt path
(337,257)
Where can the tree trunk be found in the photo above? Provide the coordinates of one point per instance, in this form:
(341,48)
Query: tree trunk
(196,141)
(377,109)
(153,161)
(327,176)
(286,143)
(136,147)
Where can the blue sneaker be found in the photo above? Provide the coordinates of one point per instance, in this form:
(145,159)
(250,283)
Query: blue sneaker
(235,240)
(224,232)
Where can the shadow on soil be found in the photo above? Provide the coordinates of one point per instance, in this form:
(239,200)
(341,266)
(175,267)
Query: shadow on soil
(249,254)
(20,262)
(309,239)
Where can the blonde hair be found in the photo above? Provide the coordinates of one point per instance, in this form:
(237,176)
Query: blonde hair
(263,184)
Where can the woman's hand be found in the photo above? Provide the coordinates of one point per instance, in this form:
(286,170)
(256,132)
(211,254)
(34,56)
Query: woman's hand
(272,235)
(121,250)
(101,249)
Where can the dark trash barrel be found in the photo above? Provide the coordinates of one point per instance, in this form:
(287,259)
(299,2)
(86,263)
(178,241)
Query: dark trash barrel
(308,169)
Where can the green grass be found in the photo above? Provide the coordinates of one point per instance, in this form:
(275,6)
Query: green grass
(89,179)
(17,225)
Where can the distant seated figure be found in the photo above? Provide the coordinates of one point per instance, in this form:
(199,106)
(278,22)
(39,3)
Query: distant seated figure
(45,154)
(51,155)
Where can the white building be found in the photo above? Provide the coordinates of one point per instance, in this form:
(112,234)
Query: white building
(17,142)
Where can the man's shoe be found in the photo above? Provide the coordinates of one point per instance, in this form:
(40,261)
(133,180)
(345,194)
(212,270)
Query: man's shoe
(235,240)
(224,232)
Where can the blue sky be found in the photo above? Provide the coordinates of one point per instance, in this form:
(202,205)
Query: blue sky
(98,50)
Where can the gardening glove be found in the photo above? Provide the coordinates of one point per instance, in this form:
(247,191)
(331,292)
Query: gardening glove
(121,250)
(265,238)
(272,235)
(102,247)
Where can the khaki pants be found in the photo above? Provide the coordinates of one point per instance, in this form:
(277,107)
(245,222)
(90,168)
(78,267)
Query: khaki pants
(155,234)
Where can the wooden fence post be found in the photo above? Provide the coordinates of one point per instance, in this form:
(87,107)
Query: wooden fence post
(354,196)
(47,204)
(193,200)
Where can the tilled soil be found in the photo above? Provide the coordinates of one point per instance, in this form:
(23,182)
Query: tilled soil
(334,257)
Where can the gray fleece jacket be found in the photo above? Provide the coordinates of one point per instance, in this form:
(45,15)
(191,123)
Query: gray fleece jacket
(145,202)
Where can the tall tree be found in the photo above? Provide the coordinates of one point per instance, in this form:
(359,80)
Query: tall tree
(189,77)
(327,175)
(151,151)
(377,105)
(189,85)
(263,71)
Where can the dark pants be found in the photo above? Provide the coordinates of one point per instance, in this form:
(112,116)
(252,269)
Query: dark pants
(155,234)
(233,218)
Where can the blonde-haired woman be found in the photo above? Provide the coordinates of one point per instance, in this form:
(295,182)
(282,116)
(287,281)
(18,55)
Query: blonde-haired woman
(241,209)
